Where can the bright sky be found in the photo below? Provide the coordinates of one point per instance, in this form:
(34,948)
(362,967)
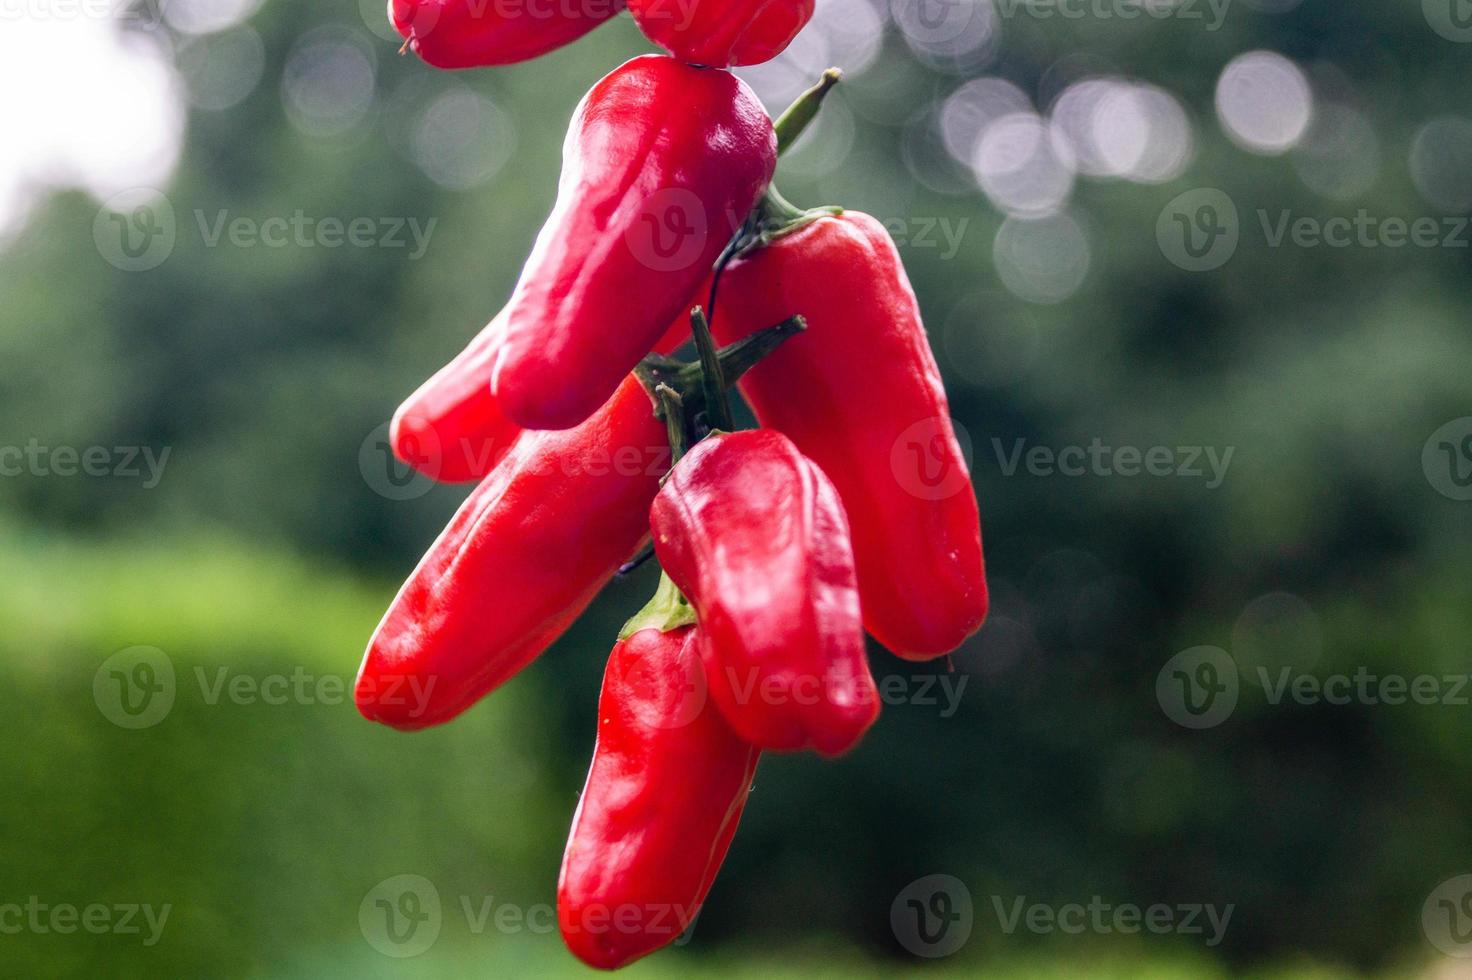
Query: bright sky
(91,105)
(88,105)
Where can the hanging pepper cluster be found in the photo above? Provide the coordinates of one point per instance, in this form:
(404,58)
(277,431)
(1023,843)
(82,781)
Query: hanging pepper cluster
(849,510)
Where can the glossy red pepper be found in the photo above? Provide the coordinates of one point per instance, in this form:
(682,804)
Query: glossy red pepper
(722,33)
(477,33)
(661,165)
(452,429)
(753,533)
(859,393)
(664,794)
(522,558)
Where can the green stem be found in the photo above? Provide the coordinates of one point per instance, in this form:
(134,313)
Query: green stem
(779,216)
(668,610)
(681,391)
(776,208)
(717,408)
(735,360)
(743,355)
(791,124)
(673,408)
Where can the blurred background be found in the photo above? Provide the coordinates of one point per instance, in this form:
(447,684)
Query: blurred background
(1196,274)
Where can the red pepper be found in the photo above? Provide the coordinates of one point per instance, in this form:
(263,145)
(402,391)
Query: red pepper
(722,33)
(661,165)
(452,429)
(522,558)
(477,33)
(663,797)
(753,533)
(859,392)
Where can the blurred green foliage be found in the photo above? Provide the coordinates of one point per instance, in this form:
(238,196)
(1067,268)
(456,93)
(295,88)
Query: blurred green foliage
(263,825)
(265,552)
